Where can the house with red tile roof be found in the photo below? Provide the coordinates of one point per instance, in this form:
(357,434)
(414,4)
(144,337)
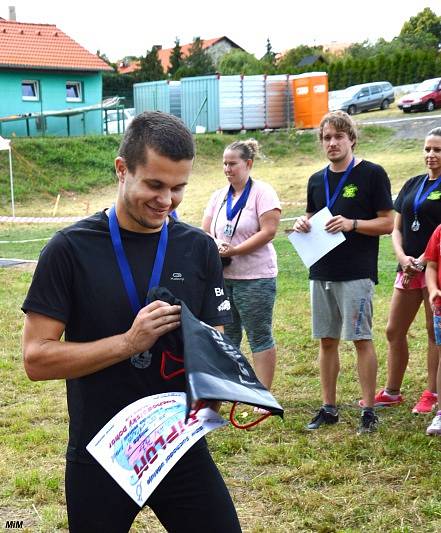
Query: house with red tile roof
(216,48)
(41,70)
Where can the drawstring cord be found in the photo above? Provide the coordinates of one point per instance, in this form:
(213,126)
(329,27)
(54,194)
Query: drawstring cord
(250,424)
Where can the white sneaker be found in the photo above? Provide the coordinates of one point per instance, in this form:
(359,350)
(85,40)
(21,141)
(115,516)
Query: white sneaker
(435,426)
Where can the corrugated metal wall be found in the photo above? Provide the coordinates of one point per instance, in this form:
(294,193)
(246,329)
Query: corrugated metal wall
(175,98)
(200,103)
(253,102)
(230,103)
(161,95)
(216,103)
(151,96)
(278,101)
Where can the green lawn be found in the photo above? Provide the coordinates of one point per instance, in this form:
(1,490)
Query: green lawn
(282,478)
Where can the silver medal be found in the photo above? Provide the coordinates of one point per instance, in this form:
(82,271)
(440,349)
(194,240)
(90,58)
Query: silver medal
(228,230)
(415,225)
(141,360)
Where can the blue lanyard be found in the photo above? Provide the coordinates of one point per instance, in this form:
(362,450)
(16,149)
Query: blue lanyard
(419,198)
(342,181)
(124,266)
(240,204)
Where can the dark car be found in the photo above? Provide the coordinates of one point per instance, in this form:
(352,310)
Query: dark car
(363,97)
(425,97)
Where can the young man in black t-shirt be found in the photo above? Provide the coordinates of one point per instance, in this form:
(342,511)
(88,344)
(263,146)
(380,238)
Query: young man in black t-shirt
(108,357)
(358,195)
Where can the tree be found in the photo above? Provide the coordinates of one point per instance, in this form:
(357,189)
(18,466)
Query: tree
(290,59)
(269,59)
(423,30)
(240,62)
(176,59)
(197,63)
(106,60)
(360,50)
(115,84)
(270,55)
(150,67)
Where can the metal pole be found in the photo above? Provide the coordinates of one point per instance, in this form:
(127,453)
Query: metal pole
(199,112)
(11,182)
(43,126)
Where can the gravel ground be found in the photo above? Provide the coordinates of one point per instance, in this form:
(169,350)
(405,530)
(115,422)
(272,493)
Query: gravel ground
(409,127)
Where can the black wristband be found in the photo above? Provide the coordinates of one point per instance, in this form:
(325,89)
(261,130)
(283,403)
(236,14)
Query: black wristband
(354,224)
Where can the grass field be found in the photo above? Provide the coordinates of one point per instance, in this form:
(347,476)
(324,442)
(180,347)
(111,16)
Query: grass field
(282,478)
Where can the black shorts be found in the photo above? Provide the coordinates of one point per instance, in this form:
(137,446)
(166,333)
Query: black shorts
(191,498)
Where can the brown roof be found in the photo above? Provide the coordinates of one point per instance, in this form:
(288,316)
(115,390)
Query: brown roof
(164,54)
(24,45)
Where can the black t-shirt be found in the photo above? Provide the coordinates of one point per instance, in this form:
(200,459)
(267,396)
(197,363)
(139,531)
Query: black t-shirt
(366,191)
(429,215)
(77,281)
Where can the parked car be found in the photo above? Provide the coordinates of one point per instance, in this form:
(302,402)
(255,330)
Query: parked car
(425,97)
(363,97)
(115,116)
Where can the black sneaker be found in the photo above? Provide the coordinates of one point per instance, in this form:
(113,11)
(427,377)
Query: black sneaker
(322,417)
(368,422)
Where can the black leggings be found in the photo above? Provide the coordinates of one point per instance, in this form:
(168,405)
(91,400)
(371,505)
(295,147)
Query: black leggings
(191,498)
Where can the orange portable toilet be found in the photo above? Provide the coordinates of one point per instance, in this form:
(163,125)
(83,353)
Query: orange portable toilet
(310,98)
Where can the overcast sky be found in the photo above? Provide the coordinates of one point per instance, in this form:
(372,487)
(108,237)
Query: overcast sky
(131,27)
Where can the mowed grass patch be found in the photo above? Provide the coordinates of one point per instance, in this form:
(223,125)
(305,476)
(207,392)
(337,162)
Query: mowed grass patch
(282,477)
(72,168)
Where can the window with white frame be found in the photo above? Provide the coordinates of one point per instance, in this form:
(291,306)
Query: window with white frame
(30,90)
(74,92)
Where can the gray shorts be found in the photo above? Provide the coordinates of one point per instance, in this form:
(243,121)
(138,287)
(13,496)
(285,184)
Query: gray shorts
(342,309)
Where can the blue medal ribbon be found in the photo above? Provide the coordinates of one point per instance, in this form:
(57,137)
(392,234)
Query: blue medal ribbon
(419,197)
(124,266)
(331,202)
(240,204)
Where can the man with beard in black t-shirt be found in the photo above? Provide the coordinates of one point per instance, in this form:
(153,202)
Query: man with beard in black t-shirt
(109,357)
(358,195)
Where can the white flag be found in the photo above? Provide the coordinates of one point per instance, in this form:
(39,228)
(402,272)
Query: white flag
(5,144)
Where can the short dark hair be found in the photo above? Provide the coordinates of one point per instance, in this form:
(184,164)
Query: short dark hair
(166,134)
(341,122)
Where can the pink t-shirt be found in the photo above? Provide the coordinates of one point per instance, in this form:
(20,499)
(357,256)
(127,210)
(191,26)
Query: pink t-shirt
(262,263)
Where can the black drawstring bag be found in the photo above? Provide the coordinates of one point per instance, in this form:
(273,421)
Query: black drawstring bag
(214,368)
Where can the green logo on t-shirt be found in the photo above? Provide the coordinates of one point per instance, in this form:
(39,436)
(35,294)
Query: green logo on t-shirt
(350,191)
(434,195)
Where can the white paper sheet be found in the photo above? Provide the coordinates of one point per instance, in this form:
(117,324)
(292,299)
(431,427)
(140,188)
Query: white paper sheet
(313,245)
(139,446)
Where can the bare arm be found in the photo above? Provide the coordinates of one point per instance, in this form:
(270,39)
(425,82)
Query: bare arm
(432,282)
(397,238)
(206,223)
(47,357)
(382,224)
(269,223)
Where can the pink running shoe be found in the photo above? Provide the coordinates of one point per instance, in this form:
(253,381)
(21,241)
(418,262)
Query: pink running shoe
(383,399)
(426,403)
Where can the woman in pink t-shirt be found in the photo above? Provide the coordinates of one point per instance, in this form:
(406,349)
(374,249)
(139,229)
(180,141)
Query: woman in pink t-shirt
(243,218)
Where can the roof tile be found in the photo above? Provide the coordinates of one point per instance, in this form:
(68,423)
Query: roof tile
(25,45)
(165,53)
